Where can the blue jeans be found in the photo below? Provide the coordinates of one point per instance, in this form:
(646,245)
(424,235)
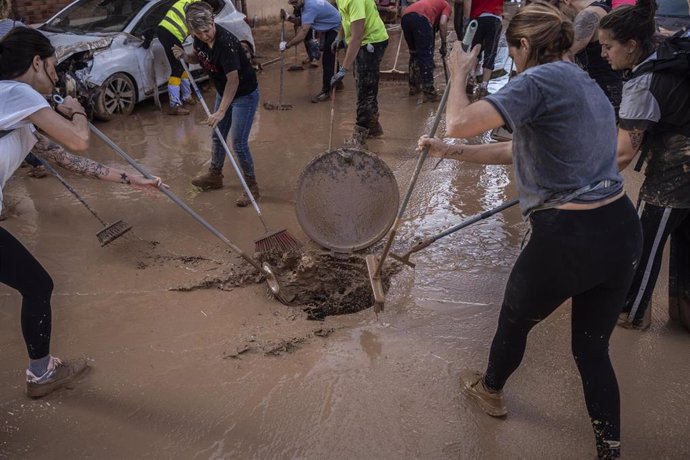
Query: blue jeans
(238,122)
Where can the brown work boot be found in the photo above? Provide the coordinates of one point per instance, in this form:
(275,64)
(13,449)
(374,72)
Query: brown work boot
(414,90)
(358,139)
(244,199)
(178,110)
(472,385)
(210,180)
(190,101)
(340,86)
(60,374)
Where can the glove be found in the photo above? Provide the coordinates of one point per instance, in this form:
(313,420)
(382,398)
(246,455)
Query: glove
(443,50)
(337,44)
(338,76)
(283,46)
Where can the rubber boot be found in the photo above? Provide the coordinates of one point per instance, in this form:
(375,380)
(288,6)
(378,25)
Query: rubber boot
(175,102)
(358,139)
(430,95)
(244,200)
(210,180)
(375,128)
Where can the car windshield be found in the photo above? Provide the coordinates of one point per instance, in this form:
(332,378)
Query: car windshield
(89,16)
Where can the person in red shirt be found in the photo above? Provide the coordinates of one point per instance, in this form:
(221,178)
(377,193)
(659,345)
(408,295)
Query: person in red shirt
(419,24)
(488,14)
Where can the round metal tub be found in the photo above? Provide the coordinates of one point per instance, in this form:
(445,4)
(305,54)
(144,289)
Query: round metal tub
(347,199)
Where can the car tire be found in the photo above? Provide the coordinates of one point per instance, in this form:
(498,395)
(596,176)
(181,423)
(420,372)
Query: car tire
(117,96)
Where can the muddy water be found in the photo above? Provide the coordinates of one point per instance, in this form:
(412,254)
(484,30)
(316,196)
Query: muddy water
(227,372)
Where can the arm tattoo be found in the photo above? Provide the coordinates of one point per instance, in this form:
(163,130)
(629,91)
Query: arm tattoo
(586,23)
(124,179)
(636,137)
(81,165)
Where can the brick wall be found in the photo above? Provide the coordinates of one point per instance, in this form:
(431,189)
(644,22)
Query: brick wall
(33,11)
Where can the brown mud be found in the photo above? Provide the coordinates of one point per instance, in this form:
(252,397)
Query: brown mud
(192,357)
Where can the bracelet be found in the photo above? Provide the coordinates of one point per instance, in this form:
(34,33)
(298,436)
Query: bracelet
(77,113)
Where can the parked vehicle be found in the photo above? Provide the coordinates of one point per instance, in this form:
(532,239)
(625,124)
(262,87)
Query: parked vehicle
(100,54)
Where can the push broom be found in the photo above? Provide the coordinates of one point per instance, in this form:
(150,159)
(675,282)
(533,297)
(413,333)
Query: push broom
(374,264)
(280,240)
(110,232)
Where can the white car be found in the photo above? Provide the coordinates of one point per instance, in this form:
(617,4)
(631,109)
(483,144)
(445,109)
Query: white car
(100,52)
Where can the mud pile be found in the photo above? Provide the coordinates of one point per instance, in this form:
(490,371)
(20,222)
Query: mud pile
(323,284)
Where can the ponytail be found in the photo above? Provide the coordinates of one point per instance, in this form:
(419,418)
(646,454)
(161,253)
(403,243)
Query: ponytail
(633,22)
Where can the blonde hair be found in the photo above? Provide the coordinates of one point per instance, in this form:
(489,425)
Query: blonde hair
(5,8)
(549,33)
(199,15)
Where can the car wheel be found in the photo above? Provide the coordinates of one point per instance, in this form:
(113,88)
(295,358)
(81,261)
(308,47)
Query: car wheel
(117,96)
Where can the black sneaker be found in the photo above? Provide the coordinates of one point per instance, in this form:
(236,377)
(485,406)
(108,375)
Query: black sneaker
(60,374)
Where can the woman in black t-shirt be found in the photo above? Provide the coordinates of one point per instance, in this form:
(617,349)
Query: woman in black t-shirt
(220,54)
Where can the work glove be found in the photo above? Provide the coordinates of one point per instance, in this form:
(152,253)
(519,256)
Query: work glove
(283,46)
(337,44)
(443,50)
(338,76)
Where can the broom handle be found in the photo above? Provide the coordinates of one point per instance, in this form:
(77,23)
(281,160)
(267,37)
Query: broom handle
(52,171)
(330,131)
(413,181)
(225,145)
(175,198)
(282,63)
(397,53)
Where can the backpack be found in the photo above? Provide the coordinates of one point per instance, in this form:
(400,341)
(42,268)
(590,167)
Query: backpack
(672,55)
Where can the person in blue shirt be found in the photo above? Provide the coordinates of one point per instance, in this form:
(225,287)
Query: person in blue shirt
(322,17)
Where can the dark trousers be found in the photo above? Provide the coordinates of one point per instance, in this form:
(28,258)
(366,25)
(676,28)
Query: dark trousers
(21,271)
(457,20)
(589,256)
(657,225)
(419,36)
(167,41)
(327,59)
(488,34)
(368,65)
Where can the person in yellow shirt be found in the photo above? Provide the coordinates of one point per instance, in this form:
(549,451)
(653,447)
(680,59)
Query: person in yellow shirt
(365,35)
(172,31)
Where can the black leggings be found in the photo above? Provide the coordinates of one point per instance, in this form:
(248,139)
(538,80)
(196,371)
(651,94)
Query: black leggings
(21,271)
(589,256)
(167,40)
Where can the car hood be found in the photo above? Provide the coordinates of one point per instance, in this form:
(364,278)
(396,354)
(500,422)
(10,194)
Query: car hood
(68,44)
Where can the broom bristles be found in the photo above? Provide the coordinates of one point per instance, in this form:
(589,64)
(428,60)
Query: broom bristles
(279,240)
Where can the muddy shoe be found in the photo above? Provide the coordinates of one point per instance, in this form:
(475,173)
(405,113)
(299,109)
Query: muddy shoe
(178,110)
(430,96)
(244,199)
(375,130)
(60,374)
(641,325)
(358,139)
(321,97)
(340,86)
(609,450)
(472,385)
(191,101)
(38,172)
(210,180)
(414,90)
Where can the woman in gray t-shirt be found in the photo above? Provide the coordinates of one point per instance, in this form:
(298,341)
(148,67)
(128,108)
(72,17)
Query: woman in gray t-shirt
(586,237)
